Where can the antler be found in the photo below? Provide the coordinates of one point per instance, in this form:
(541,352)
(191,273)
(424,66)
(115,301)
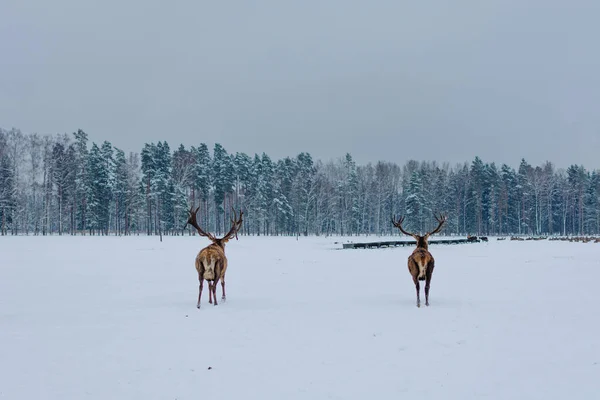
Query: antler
(236,224)
(398,224)
(192,221)
(441,219)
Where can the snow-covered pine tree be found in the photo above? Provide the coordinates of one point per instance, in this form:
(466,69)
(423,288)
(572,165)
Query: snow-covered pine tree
(548,194)
(223,179)
(17,143)
(592,208)
(7,185)
(525,192)
(147,186)
(243,187)
(47,222)
(184,168)
(134,214)
(577,179)
(490,201)
(414,203)
(120,191)
(304,191)
(163,188)
(351,195)
(100,191)
(385,184)
(35,198)
(475,203)
(267,193)
(82,181)
(509,200)
(282,194)
(203,182)
(63,180)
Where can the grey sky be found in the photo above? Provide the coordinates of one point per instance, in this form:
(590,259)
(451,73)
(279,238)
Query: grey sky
(383,80)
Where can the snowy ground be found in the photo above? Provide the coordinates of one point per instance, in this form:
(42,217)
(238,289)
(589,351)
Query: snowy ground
(115,318)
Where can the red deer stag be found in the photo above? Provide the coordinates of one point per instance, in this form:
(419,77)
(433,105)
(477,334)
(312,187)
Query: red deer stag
(211,262)
(421,262)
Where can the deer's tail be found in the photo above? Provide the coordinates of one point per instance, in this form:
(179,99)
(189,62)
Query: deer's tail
(422,265)
(209,268)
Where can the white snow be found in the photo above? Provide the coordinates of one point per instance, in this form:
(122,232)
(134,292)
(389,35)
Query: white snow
(115,318)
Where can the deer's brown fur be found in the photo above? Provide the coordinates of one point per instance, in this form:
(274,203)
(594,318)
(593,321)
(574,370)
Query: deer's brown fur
(421,263)
(211,262)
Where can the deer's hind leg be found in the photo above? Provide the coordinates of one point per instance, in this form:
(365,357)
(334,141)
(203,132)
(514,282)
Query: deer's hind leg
(413,268)
(418,288)
(210,291)
(214,290)
(200,292)
(200,270)
(430,267)
(224,296)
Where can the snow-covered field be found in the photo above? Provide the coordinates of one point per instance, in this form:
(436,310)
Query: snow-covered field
(115,318)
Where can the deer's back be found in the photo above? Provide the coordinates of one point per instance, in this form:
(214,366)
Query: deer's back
(421,255)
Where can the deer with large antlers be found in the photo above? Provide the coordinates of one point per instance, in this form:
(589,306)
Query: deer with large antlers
(211,262)
(421,262)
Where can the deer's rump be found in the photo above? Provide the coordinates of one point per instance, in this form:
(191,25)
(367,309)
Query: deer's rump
(209,263)
(418,262)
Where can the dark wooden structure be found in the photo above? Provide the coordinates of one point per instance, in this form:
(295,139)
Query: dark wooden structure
(396,243)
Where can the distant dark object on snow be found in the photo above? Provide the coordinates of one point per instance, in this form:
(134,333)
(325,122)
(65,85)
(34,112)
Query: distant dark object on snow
(472,239)
(581,239)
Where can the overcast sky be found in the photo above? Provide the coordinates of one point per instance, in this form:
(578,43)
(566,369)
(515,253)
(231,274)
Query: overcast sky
(383,80)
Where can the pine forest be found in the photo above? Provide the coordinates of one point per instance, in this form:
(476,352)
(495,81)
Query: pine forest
(65,185)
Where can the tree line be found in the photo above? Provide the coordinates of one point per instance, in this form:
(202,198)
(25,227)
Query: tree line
(64,184)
